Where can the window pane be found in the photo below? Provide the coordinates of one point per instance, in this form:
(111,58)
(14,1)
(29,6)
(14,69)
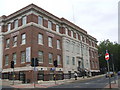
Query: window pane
(22,57)
(49,24)
(73,60)
(15,41)
(16,23)
(58,44)
(57,28)
(9,27)
(67,59)
(24,19)
(7,43)
(40,56)
(66,31)
(71,33)
(23,39)
(40,20)
(49,41)
(50,58)
(58,59)
(40,39)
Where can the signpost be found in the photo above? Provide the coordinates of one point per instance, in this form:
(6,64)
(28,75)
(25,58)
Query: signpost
(107,58)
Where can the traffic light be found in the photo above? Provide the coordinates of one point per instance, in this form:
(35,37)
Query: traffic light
(12,64)
(34,61)
(55,63)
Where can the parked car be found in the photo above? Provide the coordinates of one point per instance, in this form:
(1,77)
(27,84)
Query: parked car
(118,73)
(109,75)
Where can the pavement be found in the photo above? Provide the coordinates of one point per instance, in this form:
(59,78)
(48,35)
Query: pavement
(115,84)
(47,84)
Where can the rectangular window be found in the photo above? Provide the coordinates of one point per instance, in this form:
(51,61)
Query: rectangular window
(66,31)
(49,24)
(9,27)
(40,39)
(77,36)
(58,59)
(7,43)
(24,20)
(57,28)
(23,57)
(40,20)
(16,23)
(15,41)
(40,56)
(6,60)
(23,39)
(67,46)
(72,34)
(50,41)
(50,56)
(73,60)
(58,44)
(14,57)
(67,59)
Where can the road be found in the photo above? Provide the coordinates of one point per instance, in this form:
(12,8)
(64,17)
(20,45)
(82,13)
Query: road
(100,82)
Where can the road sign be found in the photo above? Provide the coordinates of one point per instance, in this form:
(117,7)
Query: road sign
(107,56)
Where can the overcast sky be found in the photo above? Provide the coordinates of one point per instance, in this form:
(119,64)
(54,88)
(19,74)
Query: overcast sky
(98,17)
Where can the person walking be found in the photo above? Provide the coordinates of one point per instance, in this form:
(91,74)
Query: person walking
(75,74)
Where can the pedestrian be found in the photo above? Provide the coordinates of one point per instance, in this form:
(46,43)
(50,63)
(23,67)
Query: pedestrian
(75,74)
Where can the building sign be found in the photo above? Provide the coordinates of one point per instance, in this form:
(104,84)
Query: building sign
(28,54)
(50,34)
(14,34)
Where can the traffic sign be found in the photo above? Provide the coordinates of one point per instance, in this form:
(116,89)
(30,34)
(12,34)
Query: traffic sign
(107,56)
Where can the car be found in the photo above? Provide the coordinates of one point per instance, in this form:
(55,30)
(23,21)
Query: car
(109,74)
(118,73)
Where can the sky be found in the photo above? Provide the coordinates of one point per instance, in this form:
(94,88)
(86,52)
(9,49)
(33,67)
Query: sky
(98,17)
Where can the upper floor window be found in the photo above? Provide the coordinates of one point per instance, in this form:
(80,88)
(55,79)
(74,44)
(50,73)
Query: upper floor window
(72,33)
(57,28)
(77,36)
(67,59)
(40,39)
(58,44)
(9,27)
(24,20)
(23,57)
(40,56)
(7,43)
(16,23)
(73,60)
(15,41)
(14,58)
(23,39)
(50,57)
(6,60)
(50,41)
(40,20)
(49,24)
(58,59)
(66,31)
(67,46)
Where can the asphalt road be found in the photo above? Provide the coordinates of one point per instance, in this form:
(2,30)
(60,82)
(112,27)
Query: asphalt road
(100,82)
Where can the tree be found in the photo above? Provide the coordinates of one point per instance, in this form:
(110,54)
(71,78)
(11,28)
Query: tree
(114,51)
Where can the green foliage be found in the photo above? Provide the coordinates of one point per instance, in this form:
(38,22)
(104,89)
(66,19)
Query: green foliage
(114,50)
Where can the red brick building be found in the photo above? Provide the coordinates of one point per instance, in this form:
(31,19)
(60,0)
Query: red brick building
(35,33)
